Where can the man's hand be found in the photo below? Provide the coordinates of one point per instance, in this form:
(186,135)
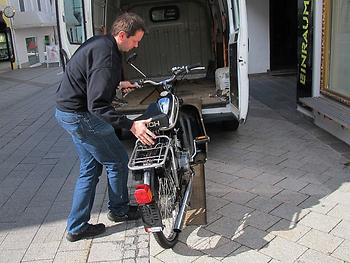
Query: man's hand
(126,86)
(141,132)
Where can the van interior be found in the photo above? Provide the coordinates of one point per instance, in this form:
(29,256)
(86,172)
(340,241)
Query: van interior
(178,33)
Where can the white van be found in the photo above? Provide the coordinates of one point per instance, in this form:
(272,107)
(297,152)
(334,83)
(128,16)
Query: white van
(212,33)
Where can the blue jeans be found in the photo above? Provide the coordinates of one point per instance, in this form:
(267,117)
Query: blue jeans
(97,145)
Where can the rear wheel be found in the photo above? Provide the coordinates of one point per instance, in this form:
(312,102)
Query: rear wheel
(169,204)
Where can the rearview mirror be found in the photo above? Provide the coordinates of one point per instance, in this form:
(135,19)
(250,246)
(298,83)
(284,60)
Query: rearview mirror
(131,58)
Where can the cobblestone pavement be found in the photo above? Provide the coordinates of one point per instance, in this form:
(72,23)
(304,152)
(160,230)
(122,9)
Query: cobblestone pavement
(278,189)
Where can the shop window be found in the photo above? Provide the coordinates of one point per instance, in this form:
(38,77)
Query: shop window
(74,19)
(6,52)
(46,40)
(164,13)
(336,50)
(3,47)
(32,50)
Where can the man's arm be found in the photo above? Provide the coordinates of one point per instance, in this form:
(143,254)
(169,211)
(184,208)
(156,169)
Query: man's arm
(100,93)
(126,87)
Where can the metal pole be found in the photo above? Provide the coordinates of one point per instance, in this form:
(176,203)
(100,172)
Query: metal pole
(14,42)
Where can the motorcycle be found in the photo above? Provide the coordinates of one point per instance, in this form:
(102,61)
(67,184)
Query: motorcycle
(166,168)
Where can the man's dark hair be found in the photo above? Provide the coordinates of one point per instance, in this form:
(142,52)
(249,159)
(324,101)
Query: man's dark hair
(130,23)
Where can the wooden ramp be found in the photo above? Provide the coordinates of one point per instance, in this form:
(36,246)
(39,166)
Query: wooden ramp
(197,212)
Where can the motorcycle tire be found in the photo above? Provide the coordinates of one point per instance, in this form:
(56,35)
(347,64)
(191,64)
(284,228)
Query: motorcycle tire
(168,201)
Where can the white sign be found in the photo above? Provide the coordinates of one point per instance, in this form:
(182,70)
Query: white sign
(52,54)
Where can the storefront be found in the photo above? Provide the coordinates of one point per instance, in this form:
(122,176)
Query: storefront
(6,44)
(335,75)
(324,64)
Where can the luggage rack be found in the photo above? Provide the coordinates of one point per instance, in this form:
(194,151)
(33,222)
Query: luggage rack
(144,156)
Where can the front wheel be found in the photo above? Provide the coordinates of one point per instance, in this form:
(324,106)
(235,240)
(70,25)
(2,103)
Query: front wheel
(168,203)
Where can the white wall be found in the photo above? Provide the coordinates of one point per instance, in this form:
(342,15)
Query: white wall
(32,5)
(259,36)
(32,17)
(39,33)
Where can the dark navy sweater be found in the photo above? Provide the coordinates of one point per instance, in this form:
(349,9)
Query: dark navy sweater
(90,81)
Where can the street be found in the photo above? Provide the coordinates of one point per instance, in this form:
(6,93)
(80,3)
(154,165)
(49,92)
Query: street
(278,189)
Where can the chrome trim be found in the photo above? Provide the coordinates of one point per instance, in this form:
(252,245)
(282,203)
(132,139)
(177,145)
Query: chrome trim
(174,113)
(174,167)
(147,177)
(145,157)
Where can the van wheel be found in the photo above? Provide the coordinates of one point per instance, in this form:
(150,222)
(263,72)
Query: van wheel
(231,125)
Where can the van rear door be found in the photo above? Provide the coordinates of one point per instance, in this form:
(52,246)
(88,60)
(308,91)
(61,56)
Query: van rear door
(72,25)
(238,58)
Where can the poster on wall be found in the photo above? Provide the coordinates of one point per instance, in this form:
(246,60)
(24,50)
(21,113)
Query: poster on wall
(305,48)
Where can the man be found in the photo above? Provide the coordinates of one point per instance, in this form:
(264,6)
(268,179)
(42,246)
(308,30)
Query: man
(84,110)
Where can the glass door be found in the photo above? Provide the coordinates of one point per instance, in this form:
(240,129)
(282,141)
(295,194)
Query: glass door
(32,50)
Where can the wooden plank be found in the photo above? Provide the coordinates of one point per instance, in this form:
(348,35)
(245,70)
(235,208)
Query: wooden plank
(197,212)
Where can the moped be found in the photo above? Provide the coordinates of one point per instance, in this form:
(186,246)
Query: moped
(165,169)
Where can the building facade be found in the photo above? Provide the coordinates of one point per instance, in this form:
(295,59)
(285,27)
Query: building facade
(323,83)
(6,45)
(33,28)
(312,39)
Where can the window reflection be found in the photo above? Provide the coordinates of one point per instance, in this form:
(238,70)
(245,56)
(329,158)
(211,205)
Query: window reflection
(74,20)
(339,74)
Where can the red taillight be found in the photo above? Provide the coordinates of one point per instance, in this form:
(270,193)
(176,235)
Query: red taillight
(143,194)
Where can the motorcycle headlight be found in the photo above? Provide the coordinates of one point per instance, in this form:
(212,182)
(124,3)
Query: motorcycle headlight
(164,105)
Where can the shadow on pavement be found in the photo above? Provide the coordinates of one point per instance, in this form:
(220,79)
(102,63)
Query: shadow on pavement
(277,188)
(255,204)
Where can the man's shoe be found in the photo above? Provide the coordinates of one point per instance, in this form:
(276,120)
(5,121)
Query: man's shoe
(132,214)
(92,230)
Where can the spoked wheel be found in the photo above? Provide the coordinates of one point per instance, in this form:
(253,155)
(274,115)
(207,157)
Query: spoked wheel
(168,203)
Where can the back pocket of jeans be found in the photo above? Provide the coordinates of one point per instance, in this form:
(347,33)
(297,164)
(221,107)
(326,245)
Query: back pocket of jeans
(72,124)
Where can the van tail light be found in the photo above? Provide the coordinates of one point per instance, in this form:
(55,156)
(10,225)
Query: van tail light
(143,194)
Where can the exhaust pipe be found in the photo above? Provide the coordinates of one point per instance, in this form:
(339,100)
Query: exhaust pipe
(179,219)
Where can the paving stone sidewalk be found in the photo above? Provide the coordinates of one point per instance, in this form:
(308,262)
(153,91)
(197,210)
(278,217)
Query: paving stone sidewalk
(278,189)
